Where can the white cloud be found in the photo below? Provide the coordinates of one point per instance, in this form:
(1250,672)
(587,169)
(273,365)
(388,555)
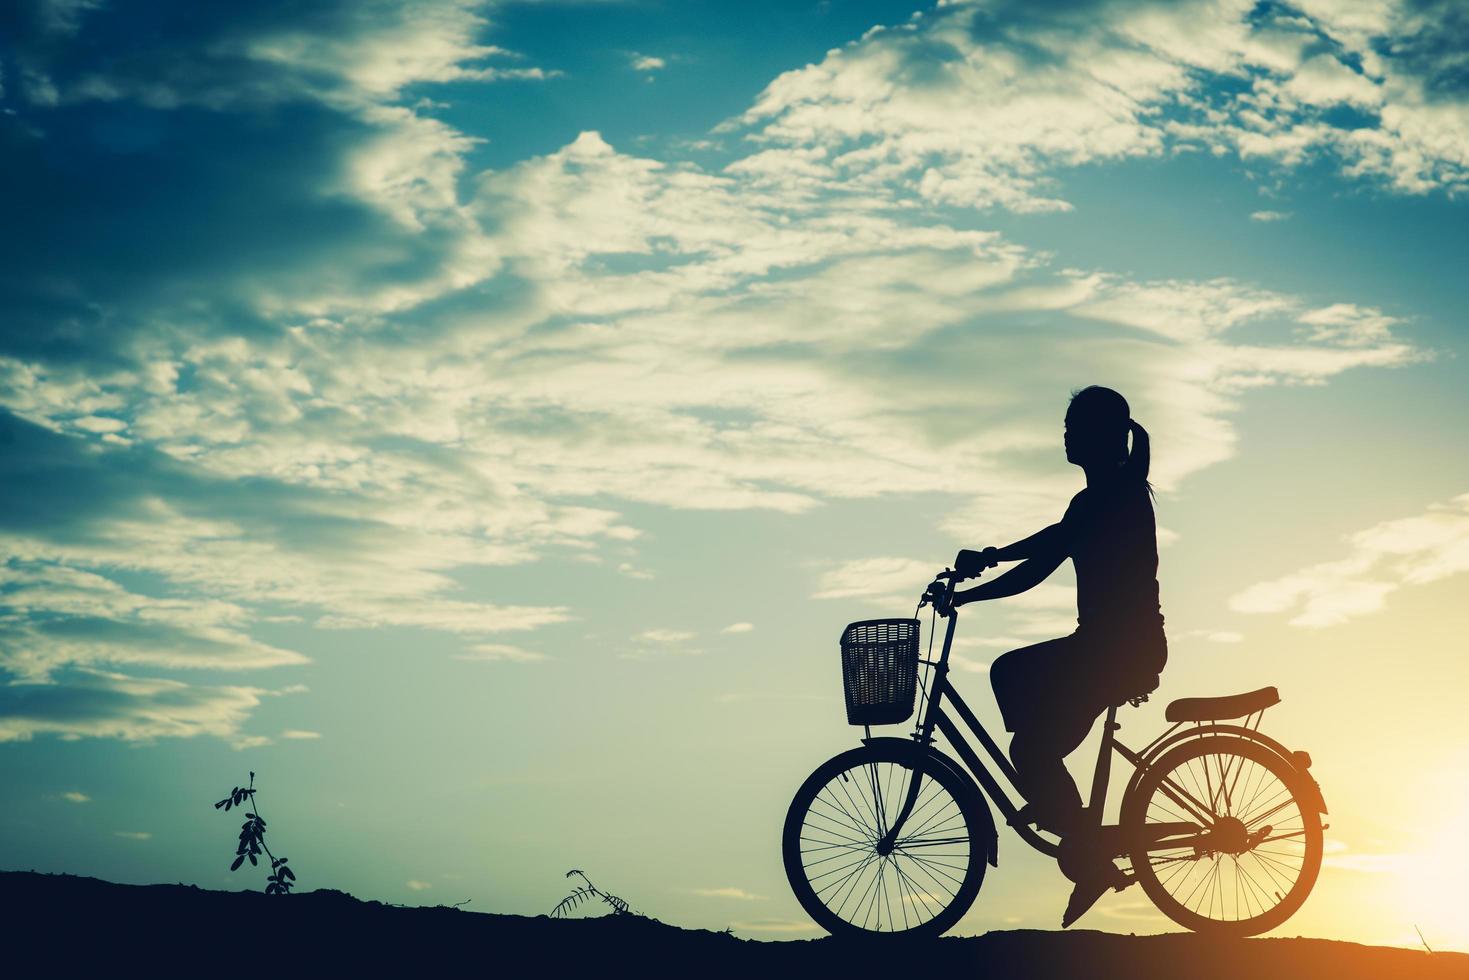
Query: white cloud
(988,642)
(300,734)
(737,697)
(1216,636)
(1382,559)
(53,616)
(965,665)
(99,424)
(74,796)
(241,743)
(739,894)
(738,628)
(975,104)
(97,704)
(133,834)
(881,581)
(415,885)
(1371,863)
(1349,324)
(664,636)
(660,642)
(1268,216)
(647,62)
(347,54)
(498,652)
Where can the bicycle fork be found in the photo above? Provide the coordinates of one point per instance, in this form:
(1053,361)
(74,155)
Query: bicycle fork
(886,843)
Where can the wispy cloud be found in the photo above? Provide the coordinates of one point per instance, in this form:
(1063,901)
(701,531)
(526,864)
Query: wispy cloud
(1269,216)
(133,834)
(738,894)
(1217,636)
(300,734)
(968,666)
(738,628)
(501,652)
(73,796)
(736,697)
(91,703)
(668,637)
(647,62)
(881,581)
(417,886)
(1381,559)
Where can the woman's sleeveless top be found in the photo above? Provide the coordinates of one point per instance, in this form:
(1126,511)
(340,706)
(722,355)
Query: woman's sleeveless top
(1113,544)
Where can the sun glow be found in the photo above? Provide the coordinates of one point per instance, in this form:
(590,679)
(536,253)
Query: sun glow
(1421,887)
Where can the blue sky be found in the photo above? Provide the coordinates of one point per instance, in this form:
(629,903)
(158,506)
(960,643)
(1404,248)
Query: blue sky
(481,419)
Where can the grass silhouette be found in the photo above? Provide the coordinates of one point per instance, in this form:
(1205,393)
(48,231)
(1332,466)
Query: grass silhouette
(588,892)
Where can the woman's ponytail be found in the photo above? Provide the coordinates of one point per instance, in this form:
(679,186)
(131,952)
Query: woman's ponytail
(1139,459)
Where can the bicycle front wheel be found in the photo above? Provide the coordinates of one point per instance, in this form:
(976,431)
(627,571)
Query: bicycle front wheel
(1223,836)
(851,884)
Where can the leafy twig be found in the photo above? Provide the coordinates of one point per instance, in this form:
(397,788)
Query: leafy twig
(582,893)
(252,841)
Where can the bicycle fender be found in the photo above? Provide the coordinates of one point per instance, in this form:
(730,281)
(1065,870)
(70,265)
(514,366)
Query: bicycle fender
(991,833)
(1300,761)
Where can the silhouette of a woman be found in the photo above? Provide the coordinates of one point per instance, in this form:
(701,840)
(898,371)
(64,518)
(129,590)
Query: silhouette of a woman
(1051,693)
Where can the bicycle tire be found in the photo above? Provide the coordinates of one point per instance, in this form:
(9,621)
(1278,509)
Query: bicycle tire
(813,834)
(1297,826)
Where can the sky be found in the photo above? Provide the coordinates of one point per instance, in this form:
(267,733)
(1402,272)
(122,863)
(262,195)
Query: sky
(480,419)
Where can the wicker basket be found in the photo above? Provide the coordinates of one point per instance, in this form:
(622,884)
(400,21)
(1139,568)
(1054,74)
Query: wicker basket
(880,670)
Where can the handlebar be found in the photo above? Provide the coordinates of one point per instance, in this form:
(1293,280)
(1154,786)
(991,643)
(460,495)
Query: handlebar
(940,592)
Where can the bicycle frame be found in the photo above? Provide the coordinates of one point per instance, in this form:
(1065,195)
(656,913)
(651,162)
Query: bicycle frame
(935,718)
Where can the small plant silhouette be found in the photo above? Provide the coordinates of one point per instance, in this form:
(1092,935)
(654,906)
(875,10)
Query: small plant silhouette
(585,892)
(252,840)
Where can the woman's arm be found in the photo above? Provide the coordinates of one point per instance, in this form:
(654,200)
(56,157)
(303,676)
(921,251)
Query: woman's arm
(1042,544)
(1027,575)
(1045,543)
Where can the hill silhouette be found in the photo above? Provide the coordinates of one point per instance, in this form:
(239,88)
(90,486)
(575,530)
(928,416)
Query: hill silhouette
(69,924)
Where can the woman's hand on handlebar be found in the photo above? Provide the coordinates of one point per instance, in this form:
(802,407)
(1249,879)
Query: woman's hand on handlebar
(969,564)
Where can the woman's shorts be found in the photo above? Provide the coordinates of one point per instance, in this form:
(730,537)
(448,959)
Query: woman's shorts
(1074,676)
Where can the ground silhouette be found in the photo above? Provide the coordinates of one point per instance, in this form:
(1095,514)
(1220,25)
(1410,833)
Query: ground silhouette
(69,924)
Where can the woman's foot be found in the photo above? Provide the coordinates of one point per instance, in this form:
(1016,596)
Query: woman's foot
(1086,858)
(1092,886)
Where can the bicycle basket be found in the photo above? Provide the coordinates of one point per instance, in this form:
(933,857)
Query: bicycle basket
(880,670)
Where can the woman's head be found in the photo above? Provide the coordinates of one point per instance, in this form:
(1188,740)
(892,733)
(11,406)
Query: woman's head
(1097,425)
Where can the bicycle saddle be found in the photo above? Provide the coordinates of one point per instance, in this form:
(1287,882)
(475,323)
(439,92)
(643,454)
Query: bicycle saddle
(1232,706)
(1135,694)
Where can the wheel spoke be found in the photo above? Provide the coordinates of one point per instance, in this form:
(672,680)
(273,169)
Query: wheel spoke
(930,842)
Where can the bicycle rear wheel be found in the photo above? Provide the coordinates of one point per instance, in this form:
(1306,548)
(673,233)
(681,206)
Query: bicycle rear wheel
(1223,836)
(931,874)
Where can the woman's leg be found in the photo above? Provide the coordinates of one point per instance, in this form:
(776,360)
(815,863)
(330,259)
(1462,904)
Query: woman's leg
(1046,698)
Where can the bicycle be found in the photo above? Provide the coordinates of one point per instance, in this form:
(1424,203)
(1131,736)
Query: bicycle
(1220,823)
